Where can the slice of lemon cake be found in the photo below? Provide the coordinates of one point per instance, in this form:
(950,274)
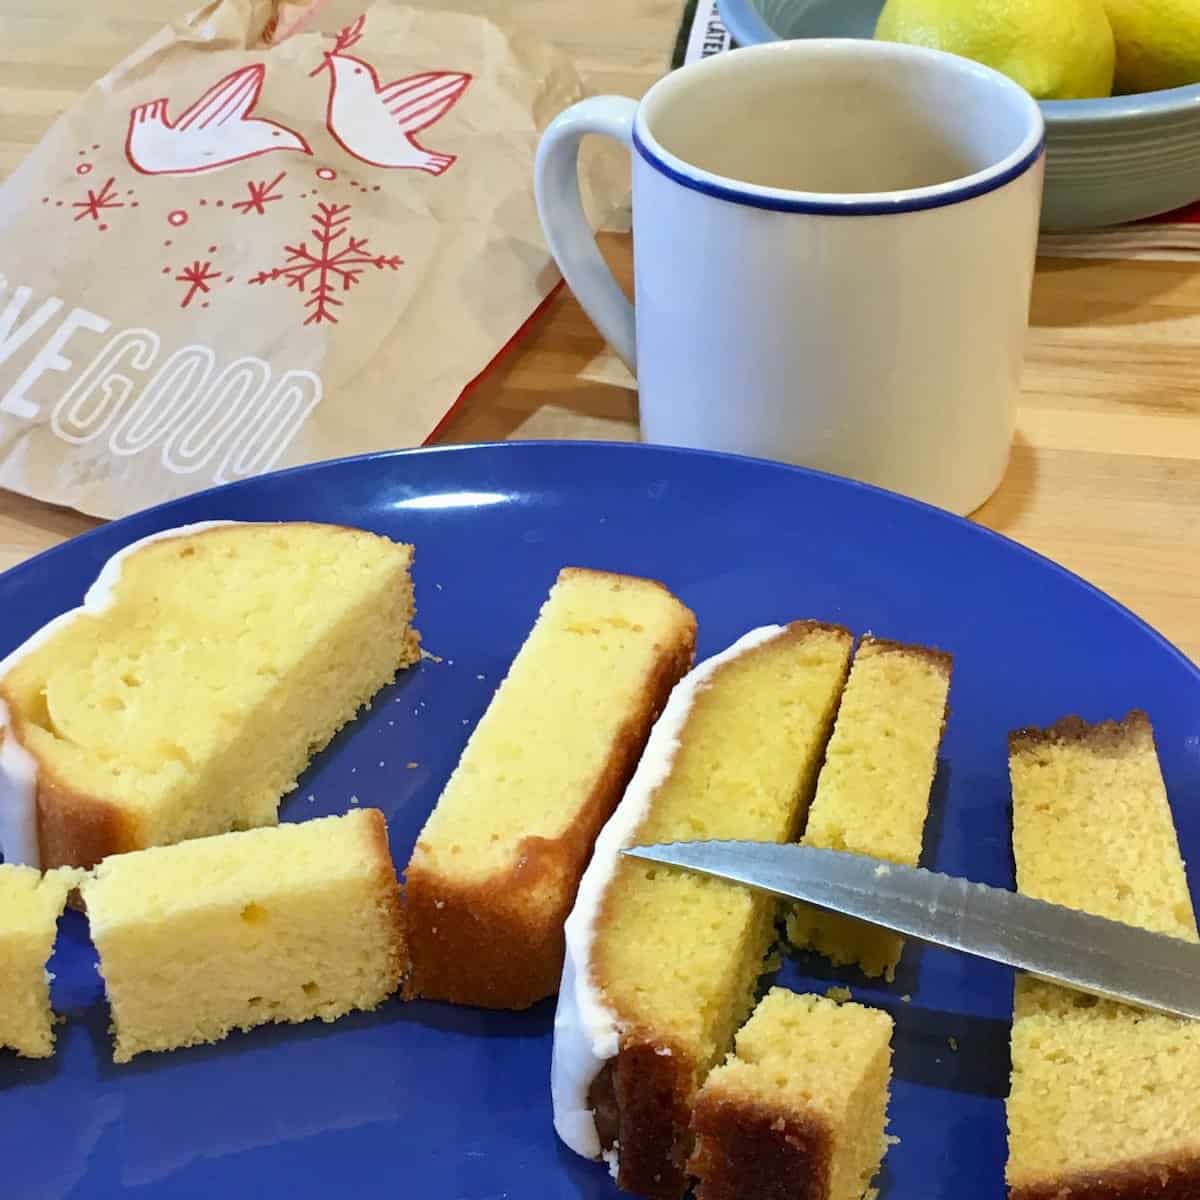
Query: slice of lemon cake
(30,905)
(205,668)
(662,965)
(800,1110)
(1105,1100)
(494,872)
(285,923)
(873,793)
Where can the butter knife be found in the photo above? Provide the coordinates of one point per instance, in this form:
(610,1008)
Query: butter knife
(1081,951)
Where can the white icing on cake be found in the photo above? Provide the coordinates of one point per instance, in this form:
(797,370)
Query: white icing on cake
(18,768)
(586,1030)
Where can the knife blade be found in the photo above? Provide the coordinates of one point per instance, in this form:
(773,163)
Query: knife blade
(1081,951)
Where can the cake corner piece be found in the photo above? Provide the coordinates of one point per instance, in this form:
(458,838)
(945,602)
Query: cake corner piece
(783,1116)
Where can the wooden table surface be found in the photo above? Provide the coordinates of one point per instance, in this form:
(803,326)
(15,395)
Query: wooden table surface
(1105,474)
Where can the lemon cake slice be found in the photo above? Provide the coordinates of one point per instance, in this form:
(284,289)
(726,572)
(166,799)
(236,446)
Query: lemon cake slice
(30,905)
(1105,1099)
(800,1110)
(873,794)
(494,872)
(662,965)
(279,924)
(205,668)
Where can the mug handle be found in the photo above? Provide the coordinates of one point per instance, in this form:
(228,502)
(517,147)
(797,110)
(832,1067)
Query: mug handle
(571,240)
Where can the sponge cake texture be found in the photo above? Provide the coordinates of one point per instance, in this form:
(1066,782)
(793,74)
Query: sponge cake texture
(185,699)
(1105,1099)
(278,924)
(495,869)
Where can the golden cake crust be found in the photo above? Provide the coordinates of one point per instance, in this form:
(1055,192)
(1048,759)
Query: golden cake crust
(750,1150)
(1168,1179)
(78,828)
(498,942)
(1109,738)
(941,660)
(640,1094)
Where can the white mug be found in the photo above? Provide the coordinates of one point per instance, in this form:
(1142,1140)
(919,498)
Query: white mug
(833,250)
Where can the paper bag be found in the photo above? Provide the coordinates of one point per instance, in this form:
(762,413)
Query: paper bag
(251,246)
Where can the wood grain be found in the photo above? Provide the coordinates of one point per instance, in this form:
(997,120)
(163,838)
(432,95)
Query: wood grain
(1105,473)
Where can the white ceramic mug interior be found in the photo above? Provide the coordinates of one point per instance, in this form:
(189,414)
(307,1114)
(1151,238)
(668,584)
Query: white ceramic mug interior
(834,246)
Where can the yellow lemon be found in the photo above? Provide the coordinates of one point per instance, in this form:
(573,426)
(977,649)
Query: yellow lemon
(1158,43)
(1055,49)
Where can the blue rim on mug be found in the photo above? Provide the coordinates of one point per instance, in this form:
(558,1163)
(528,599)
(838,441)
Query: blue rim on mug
(979,183)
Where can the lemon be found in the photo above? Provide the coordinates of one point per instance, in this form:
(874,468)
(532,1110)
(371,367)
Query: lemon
(1055,49)
(1158,43)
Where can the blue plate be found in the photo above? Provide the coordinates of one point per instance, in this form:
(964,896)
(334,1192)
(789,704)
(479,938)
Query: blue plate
(442,1103)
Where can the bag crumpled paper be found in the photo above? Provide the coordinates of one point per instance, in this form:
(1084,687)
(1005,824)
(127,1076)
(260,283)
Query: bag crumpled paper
(253,245)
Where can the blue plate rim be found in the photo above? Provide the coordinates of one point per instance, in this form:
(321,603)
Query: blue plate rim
(539,446)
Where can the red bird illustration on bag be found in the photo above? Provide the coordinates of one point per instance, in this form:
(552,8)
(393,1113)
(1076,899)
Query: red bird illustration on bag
(213,132)
(376,122)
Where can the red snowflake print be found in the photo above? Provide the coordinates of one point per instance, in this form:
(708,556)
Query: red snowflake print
(333,265)
(197,278)
(261,194)
(96,202)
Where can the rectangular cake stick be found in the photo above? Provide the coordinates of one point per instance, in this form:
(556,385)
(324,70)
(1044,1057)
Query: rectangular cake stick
(1105,1099)
(873,793)
(495,870)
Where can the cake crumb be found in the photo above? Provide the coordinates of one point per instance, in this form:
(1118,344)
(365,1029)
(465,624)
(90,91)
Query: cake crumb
(952,1042)
(353,799)
(882,870)
(612,1158)
(427,656)
(839,995)
(906,998)
(312,799)
(891,1139)
(412,766)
